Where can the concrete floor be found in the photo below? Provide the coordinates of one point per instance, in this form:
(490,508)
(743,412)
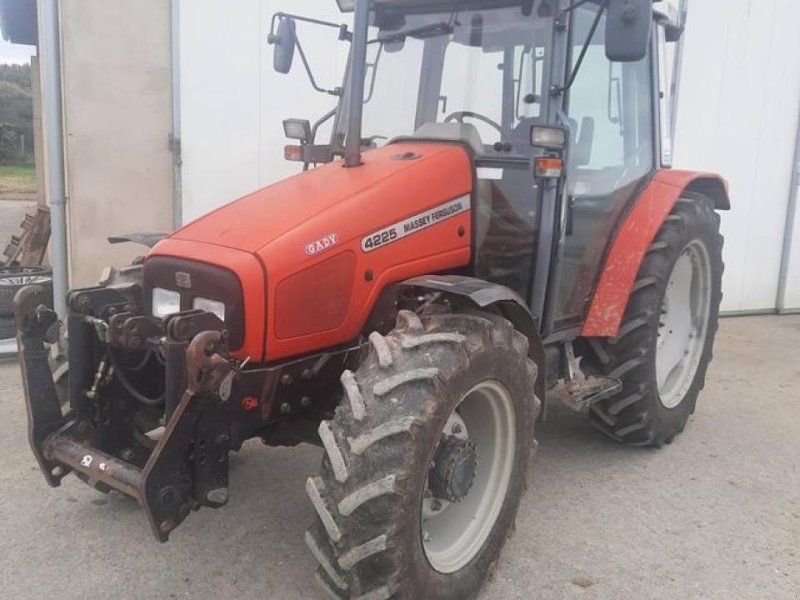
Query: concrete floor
(716,515)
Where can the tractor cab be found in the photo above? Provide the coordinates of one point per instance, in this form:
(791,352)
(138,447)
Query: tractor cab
(562,127)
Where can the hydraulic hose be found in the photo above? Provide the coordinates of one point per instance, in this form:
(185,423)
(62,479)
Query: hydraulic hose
(129,387)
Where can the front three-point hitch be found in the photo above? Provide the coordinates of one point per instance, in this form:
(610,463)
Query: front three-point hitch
(156,406)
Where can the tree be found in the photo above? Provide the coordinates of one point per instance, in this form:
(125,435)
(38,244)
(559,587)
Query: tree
(9,144)
(16,120)
(16,105)
(17,74)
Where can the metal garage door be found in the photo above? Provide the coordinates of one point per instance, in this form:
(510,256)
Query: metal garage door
(232,102)
(738,115)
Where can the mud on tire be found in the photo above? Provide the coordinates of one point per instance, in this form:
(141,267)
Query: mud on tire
(367,536)
(636,415)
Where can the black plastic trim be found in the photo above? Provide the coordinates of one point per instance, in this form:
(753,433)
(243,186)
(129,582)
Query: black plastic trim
(207,281)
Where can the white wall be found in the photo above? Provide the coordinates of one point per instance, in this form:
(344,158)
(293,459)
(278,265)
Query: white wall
(232,101)
(738,111)
(117,121)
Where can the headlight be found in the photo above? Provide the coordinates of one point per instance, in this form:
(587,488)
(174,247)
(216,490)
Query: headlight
(212,306)
(210,288)
(165,302)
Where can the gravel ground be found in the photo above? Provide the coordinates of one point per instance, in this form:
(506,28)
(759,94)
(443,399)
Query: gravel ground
(716,515)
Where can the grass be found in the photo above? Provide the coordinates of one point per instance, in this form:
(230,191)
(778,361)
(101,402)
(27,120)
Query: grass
(17,180)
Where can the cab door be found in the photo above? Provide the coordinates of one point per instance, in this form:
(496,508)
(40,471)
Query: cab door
(612,154)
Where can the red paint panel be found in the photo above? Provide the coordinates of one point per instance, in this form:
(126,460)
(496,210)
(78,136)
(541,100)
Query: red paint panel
(319,196)
(629,248)
(364,296)
(316,299)
(383,192)
(293,227)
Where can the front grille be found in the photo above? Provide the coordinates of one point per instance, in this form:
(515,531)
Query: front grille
(192,280)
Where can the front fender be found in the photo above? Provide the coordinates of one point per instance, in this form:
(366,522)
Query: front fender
(486,295)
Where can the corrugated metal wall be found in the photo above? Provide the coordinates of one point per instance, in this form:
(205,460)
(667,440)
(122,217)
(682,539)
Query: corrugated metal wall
(738,112)
(233,102)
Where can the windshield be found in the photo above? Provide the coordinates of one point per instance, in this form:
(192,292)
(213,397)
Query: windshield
(483,68)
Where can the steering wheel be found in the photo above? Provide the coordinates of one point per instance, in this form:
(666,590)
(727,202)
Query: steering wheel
(460,114)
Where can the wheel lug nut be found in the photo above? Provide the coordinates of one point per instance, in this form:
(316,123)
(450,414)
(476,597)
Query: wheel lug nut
(436,505)
(457,429)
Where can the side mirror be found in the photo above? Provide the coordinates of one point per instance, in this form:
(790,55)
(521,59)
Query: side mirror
(628,28)
(284,40)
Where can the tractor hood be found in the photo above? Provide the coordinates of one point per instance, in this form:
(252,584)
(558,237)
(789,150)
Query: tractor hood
(312,253)
(362,196)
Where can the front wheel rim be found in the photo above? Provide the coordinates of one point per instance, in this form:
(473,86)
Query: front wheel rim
(683,327)
(456,533)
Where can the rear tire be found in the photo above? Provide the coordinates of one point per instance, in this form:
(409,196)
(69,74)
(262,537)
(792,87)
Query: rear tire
(374,484)
(652,409)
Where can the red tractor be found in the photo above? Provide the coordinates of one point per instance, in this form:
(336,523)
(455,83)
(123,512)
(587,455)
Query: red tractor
(491,226)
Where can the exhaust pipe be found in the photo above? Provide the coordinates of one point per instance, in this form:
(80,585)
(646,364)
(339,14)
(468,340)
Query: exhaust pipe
(352,149)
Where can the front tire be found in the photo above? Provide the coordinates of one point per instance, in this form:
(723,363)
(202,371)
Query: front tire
(378,498)
(666,339)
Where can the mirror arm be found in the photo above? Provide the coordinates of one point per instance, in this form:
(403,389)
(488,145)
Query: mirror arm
(310,73)
(518,82)
(313,137)
(344,32)
(576,5)
(561,89)
(374,67)
(326,117)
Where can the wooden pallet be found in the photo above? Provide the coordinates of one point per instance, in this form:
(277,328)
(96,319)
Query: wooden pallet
(29,247)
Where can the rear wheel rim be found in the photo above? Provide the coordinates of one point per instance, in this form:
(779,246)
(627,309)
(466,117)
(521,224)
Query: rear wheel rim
(456,533)
(16,276)
(683,328)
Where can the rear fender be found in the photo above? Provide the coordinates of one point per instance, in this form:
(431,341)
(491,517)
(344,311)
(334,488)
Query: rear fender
(487,296)
(634,236)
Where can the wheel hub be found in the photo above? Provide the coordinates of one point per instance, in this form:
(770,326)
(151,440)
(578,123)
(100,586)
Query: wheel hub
(453,472)
(472,465)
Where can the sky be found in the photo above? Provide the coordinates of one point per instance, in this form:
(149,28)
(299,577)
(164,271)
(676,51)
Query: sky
(14,53)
